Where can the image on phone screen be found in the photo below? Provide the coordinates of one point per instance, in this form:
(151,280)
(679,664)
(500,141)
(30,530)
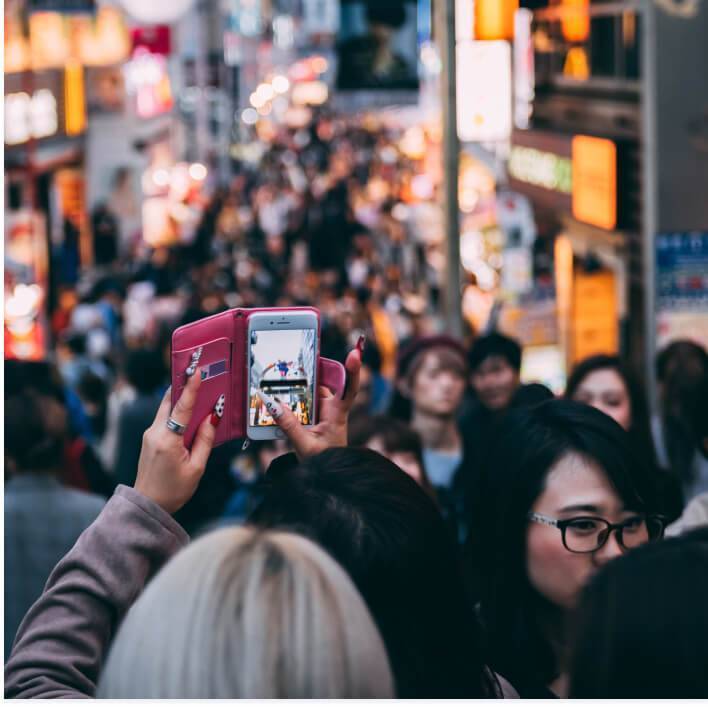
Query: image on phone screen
(283,366)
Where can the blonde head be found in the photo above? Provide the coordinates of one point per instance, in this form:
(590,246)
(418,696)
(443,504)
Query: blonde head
(243,613)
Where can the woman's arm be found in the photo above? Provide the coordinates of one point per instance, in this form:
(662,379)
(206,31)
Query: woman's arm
(63,640)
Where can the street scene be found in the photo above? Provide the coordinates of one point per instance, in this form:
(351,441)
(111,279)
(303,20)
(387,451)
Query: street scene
(466,456)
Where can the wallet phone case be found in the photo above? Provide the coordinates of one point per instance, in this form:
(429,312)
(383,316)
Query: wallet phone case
(224,358)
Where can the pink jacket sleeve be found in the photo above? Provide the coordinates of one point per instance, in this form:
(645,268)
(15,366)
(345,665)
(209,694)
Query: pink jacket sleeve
(64,638)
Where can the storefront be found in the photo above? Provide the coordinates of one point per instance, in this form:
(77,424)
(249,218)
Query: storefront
(583,230)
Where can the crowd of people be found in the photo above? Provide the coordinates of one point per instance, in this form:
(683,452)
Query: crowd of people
(445,531)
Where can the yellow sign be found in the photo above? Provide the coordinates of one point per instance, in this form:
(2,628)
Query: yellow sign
(595,181)
(494,19)
(594,323)
(74,99)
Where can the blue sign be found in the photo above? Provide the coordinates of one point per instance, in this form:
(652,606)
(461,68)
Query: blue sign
(682,270)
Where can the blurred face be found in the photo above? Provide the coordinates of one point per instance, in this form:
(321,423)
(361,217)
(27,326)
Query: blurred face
(437,389)
(407,461)
(495,382)
(606,391)
(574,487)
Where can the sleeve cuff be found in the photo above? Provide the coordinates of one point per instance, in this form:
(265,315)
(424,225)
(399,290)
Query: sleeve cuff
(155,511)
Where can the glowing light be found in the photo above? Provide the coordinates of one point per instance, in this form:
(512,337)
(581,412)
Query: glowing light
(198,172)
(255,100)
(249,116)
(280,84)
(319,64)
(24,302)
(265,109)
(161,177)
(265,92)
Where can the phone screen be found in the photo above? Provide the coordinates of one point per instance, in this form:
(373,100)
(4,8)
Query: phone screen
(283,366)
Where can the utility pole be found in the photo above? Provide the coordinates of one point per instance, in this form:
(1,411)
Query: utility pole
(444,27)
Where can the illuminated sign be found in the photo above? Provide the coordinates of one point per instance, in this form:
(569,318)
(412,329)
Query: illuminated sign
(524,76)
(26,117)
(595,181)
(542,169)
(483,91)
(74,99)
(147,80)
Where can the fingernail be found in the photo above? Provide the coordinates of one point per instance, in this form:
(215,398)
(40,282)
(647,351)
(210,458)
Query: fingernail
(218,412)
(360,344)
(192,368)
(272,406)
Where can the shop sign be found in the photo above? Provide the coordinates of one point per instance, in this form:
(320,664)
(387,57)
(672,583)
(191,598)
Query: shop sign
(155,39)
(147,80)
(30,117)
(594,327)
(483,91)
(541,169)
(595,181)
(49,43)
(682,271)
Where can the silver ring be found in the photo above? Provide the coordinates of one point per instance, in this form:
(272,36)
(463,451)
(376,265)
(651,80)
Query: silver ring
(176,427)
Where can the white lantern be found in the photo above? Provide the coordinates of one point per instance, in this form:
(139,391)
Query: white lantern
(154,12)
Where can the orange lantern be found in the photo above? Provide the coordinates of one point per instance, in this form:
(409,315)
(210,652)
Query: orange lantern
(49,44)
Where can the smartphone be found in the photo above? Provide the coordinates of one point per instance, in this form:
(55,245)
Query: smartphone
(282,362)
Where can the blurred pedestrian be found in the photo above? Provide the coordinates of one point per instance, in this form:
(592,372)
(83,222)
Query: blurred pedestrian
(681,429)
(642,625)
(433,377)
(146,373)
(608,385)
(43,518)
(562,495)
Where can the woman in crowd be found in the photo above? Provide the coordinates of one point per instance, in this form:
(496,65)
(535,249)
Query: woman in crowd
(642,625)
(607,384)
(563,495)
(241,613)
(680,430)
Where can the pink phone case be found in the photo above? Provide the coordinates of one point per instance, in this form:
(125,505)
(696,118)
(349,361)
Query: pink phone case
(223,338)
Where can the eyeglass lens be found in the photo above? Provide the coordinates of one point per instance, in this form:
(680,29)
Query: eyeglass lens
(589,534)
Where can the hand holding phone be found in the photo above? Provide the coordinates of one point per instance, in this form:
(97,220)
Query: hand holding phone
(331,430)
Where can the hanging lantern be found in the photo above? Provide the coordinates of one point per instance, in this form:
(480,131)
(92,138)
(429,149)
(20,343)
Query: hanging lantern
(157,12)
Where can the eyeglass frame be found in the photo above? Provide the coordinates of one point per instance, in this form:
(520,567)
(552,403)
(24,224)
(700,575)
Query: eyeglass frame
(562,525)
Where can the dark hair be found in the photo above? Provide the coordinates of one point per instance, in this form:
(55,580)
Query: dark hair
(27,440)
(39,376)
(682,369)
(641,628)
(388,535)
(527,445)
(494,344)
(145,370)
(639,429)
(395,436)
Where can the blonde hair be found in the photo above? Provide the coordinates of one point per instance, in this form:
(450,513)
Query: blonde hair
(243,613)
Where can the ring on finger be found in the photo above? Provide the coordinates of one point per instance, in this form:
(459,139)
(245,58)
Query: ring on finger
(176,427)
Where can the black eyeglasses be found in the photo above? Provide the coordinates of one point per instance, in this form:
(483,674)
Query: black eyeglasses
(589,533)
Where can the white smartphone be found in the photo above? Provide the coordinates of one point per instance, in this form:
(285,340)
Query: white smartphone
(282,362)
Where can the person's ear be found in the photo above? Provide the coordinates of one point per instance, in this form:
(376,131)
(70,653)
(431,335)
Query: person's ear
(405,387)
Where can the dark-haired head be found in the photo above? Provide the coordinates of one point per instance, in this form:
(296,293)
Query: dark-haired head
(145,370)
(389,536)
(495,364)
(560,459)
(394,439)
(641,627)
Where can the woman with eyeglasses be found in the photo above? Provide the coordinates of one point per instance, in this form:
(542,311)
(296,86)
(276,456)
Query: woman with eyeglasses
(560,495)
